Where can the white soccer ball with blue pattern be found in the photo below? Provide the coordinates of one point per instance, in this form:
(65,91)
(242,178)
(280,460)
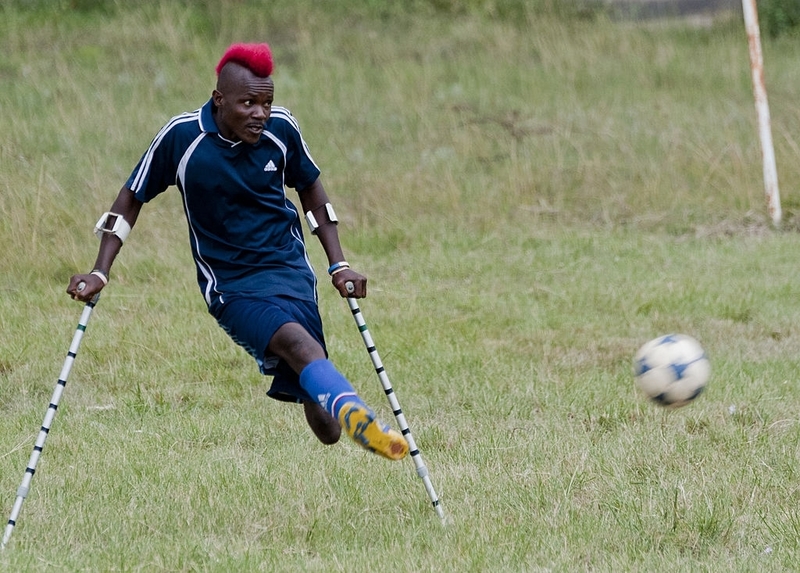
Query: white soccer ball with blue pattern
(672,370)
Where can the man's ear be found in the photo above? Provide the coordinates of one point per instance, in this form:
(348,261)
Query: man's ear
(216,97)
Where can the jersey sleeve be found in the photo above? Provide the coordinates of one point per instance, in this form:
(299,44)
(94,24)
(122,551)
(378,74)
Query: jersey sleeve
(301,170)
(157,169)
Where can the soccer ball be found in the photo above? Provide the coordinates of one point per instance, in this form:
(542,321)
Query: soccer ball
(672,370)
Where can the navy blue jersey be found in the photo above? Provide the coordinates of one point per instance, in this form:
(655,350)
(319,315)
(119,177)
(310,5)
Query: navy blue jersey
(245,233)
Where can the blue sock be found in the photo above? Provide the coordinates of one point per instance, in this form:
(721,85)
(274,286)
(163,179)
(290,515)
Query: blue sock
(327,386)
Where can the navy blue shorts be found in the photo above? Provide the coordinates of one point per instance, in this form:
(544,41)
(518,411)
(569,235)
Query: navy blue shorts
(252,322)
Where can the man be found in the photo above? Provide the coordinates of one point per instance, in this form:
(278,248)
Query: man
(231,160)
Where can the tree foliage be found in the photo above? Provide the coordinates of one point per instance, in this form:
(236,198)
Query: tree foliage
(779,17)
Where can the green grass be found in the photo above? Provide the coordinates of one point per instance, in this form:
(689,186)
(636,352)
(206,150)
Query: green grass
(531,198)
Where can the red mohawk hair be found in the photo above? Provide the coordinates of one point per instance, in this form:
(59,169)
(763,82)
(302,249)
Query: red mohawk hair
(255,57)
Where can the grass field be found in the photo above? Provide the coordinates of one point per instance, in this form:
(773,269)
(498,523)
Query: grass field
(532,198)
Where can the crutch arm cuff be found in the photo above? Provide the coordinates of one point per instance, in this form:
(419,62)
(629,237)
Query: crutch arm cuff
(312,221)
(112,224)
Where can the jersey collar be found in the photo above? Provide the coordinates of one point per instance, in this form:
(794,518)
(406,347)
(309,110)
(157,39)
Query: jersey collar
(207,122)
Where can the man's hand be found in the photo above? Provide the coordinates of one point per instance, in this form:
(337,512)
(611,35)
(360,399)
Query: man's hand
(84,287)
(350,278)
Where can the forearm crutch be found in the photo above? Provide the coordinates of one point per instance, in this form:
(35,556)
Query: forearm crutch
(24,488)
(422,471)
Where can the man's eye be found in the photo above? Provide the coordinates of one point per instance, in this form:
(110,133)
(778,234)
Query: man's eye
(248,102)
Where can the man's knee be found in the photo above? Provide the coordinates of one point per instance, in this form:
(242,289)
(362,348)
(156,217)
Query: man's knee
(292,343)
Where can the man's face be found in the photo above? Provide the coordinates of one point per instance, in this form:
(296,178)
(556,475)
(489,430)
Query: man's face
(243,102)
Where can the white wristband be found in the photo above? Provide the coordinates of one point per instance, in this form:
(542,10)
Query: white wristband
(101,275)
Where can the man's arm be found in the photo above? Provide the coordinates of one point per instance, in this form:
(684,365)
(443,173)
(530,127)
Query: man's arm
(127,206)
(314,200)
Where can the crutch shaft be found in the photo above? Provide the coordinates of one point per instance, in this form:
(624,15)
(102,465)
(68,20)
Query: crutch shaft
(30,469)
(422,470)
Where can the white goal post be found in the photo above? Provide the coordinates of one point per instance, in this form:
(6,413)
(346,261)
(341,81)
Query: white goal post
(762,110)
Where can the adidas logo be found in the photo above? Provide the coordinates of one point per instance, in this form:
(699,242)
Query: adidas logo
(270,166)
(321,398)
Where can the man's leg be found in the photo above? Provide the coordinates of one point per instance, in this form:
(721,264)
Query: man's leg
(324,426)
(335,394)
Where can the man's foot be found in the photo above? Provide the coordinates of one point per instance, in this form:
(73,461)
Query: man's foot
(324,426)
(360,424)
